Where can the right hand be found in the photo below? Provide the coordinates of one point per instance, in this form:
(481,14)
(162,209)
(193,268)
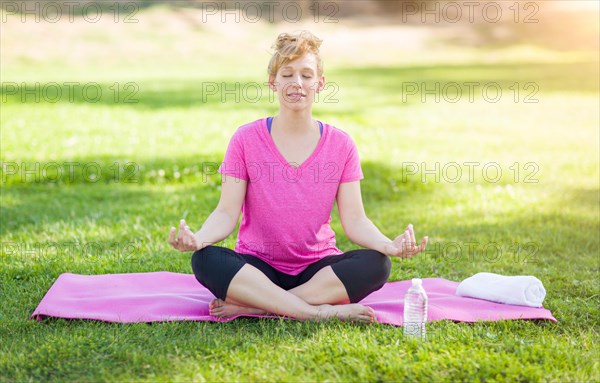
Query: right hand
(185,241)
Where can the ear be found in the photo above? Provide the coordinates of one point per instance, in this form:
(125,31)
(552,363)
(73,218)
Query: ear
(272,84)
(321,84)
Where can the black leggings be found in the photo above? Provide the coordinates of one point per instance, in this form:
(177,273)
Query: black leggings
(362,271)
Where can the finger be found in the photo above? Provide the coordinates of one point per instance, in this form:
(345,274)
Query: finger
(190,235)
(187,236)
(398,245)
(181,229)
(423,244)
(398,240)
(413,240)
(172,232)
(194,240)
(402,250)
(407,245)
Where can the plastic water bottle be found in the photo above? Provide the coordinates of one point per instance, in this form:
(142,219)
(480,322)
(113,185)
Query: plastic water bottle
(415,310)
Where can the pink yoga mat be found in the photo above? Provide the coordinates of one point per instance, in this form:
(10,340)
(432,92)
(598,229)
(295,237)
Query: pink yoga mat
(166,296)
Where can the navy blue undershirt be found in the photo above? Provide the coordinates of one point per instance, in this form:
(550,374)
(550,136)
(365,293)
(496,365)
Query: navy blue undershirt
(270,120)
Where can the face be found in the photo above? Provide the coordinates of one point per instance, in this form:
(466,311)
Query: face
(297,82)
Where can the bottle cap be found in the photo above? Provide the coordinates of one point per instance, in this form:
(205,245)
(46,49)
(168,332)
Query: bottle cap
(417,282)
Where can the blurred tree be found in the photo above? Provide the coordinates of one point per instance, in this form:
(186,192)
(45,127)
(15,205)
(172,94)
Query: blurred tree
(308,7)
(554,24)
(398,6)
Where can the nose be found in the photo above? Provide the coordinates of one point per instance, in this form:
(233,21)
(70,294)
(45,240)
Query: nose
(295,86)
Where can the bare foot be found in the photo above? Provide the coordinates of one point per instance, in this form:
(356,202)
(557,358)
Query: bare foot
(220,308)
(353,312)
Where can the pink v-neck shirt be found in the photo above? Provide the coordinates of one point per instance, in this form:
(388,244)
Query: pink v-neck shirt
(287,210)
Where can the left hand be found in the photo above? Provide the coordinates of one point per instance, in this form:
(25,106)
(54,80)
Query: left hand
(405,245)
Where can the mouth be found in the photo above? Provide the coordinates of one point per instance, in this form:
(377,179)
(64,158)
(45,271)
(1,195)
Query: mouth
(295,95)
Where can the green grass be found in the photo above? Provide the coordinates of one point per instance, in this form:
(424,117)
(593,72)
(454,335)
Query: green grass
(170,139)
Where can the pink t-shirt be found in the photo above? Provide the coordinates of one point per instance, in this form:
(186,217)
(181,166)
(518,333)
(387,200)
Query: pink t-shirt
(287,210)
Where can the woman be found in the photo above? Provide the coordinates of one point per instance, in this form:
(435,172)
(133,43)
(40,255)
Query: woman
(284,173)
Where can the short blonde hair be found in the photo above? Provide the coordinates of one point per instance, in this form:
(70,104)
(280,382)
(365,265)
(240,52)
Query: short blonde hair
(289,47)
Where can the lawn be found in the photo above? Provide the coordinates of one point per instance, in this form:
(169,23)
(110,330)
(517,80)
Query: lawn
(504,184)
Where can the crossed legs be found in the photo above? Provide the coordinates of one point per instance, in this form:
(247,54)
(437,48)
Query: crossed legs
(250,291)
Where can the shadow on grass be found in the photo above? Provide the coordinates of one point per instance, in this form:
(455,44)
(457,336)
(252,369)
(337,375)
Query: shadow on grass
(550,77)
(141,213)
(153,190)
(367,82)
(586,198)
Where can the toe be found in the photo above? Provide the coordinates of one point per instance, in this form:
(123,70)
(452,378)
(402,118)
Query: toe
(372,313)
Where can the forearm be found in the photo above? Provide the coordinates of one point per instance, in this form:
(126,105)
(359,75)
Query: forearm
(216,228)
(364,233)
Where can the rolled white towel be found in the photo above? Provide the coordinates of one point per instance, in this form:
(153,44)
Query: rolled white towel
(520,290)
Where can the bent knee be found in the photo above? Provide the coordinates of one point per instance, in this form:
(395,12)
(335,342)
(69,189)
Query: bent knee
(207,258)
(380,267)
(373,266)
(214,267)
(199,257)
(373,272)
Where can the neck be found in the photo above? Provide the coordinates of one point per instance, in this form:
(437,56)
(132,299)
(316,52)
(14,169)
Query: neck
(295,122)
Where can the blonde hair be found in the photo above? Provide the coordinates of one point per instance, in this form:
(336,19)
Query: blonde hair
(289,47)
